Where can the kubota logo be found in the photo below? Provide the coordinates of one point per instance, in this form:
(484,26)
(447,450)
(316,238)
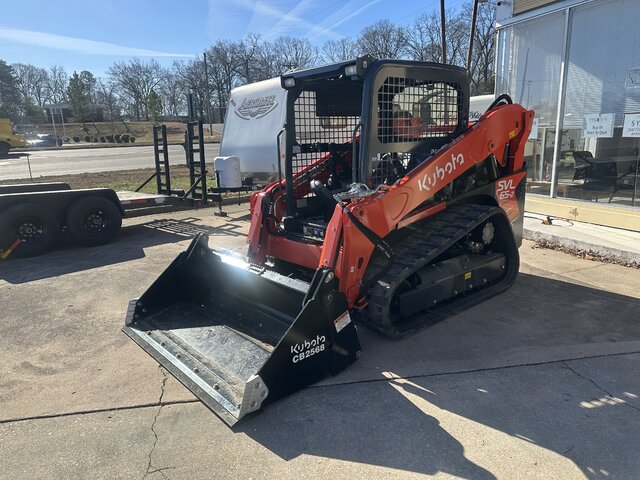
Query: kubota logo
(308,348)
(431,180)
(256,107)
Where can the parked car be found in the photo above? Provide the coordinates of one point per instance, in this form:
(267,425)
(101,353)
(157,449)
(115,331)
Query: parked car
(44,140)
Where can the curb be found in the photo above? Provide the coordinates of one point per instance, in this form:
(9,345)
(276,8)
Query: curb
(611,253)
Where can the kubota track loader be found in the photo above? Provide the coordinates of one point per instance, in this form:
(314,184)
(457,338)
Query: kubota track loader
(389,210)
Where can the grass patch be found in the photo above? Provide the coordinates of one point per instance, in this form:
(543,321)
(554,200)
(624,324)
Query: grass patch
(119,180)
(142,131)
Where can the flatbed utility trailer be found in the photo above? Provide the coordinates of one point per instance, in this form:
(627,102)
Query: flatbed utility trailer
(34,215)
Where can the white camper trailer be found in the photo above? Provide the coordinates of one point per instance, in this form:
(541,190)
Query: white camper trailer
(255,114)
(478,105)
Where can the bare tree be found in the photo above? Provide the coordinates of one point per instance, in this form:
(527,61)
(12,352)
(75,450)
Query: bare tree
(482,60)
(383,39)
(269,61)
(223,75)
(107,95)
(137,78)
(57,84)
(294,53)
(172,93)
(193,81)
(32,83)
(247,53)
(334,51)
(424,38)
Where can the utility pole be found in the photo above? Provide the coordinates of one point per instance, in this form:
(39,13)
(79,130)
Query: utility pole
(443,32)
(53,122)
(472,35)
(206,80)
(64,130)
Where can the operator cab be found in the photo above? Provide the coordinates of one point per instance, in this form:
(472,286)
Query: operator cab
(390,116)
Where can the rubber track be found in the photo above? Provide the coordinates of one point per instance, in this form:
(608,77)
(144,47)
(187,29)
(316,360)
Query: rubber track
(411,254)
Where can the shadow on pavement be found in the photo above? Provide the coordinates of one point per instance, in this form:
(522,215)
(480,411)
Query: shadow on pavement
(381,411)
(370,424)
(545,406)
(537,320)
(10,156)
(128,245)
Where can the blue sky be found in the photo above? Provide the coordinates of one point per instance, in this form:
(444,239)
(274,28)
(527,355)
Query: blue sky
(85,34)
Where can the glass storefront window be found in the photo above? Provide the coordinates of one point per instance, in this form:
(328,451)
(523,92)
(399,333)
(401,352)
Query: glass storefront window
(528,69)
(598,160)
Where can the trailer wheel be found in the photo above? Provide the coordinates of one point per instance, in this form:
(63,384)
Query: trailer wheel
(30,223)
(93,221)
(4,148)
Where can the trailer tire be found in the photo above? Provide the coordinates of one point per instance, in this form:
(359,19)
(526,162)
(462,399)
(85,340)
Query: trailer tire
(93,221)
(4,148)
(31,223)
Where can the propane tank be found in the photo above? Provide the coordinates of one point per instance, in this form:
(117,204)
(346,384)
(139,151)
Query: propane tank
(228,172)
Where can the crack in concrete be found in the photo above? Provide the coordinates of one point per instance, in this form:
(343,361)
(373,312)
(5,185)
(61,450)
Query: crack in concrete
(96,410)
(150,468)
(595,384)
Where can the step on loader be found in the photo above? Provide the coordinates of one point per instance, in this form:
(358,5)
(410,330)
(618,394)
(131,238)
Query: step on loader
(389,210)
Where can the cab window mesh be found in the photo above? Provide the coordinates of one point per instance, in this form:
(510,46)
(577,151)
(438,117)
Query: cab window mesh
(410,110)
(320,138)
(415,118)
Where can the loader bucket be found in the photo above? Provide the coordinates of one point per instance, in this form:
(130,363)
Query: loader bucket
(240,336)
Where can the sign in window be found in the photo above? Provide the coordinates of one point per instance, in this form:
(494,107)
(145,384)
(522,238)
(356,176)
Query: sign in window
(631,127)
(598,125)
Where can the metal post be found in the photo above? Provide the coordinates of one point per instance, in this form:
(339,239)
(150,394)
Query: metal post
(442,32)
(540,170)
(31,175)
(64,131)
(191,106)
(560,113)
(472,35)
(165,160)
(203,165)
(206,81)
(156,157)
(53,122)
(635,181)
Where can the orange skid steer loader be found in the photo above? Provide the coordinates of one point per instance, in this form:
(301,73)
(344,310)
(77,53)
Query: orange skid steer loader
(388,210)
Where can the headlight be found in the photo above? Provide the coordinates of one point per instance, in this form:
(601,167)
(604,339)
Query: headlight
(351,70)
(290,82)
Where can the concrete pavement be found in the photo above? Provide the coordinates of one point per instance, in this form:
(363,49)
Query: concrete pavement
(546,422)
(540,382)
